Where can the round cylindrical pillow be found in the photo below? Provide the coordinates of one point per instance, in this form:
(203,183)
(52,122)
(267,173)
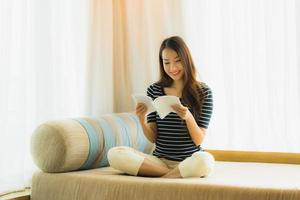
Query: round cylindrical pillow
(82,143)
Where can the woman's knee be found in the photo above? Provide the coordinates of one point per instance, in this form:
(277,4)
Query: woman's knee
(206,160)
(200,164)
(125,159)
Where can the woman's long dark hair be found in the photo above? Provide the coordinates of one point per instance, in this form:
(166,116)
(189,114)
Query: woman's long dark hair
(190,92)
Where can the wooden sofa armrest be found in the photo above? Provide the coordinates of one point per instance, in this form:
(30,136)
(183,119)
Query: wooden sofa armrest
(254,156)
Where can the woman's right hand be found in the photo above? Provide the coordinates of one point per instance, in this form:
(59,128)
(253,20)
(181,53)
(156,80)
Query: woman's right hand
(140,111)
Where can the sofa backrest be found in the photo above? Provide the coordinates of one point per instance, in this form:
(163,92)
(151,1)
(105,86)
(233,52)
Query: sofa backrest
(82,143)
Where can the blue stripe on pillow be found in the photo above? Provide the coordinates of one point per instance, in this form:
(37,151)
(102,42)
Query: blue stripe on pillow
(108,138)
(124,130)
(94,143)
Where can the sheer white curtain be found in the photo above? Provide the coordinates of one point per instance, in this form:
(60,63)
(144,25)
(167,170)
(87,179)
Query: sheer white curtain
(247,52)
(42,75)
(125,41)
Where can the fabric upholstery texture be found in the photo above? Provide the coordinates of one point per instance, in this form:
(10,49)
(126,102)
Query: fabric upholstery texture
(83,143)
(230,180)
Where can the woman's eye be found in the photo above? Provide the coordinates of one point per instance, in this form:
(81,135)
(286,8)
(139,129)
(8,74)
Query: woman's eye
(178,61)
(166,63)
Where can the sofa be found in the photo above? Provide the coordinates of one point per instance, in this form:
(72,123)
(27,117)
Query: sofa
(71,156)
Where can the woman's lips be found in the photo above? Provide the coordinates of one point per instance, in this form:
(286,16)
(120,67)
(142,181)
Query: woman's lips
(175,73)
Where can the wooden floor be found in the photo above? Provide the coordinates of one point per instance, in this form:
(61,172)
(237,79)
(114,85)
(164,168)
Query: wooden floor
(22,195)
(21,198)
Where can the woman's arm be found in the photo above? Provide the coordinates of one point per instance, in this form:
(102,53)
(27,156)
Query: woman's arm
(197,128)
(197,133)
(150,131)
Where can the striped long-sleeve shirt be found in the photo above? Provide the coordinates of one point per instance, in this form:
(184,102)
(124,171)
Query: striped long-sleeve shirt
(173,140)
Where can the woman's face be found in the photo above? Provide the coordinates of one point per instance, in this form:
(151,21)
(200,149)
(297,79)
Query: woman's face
(172,64)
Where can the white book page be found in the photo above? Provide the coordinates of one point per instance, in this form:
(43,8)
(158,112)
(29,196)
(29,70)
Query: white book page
(141,98)
(163,105)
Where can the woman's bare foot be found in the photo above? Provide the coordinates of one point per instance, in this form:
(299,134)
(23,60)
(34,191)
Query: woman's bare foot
(174,173)
(150,169)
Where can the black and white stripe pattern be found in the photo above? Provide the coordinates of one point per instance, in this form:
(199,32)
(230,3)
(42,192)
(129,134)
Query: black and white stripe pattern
(173,140)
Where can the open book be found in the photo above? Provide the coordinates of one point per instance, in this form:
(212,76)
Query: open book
(162,104)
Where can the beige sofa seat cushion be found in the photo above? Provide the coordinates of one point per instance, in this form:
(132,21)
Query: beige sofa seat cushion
(230,180)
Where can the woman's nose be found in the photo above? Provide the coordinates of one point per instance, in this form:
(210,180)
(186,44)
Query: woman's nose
(173,66)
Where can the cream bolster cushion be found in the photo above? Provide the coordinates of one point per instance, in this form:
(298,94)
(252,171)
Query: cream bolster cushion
(83,143)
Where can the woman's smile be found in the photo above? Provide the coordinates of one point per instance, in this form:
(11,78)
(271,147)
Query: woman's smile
(175,73)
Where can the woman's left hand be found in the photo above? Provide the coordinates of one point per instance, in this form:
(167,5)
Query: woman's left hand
(182,111)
